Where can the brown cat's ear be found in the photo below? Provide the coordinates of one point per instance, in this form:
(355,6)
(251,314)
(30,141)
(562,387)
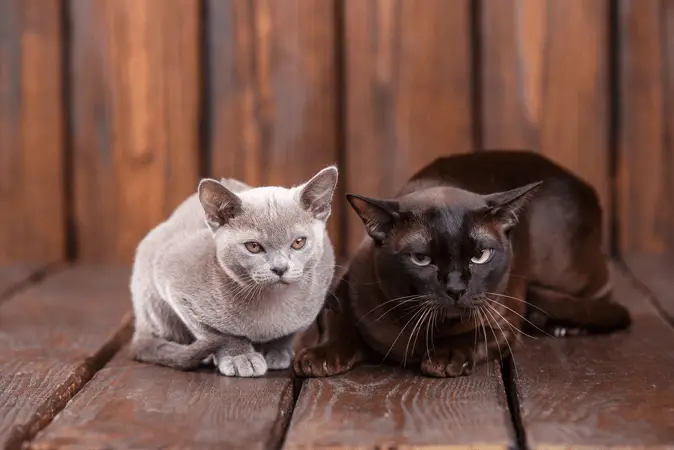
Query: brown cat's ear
(506,206)
(219,203)
(378,215)
(316,194)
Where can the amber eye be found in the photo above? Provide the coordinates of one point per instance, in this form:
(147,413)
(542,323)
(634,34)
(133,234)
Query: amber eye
(253,247)
(299,243)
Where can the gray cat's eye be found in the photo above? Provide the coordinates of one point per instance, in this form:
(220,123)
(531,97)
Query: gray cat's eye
(299,243)
(484,257)
(253,247)
(420,260)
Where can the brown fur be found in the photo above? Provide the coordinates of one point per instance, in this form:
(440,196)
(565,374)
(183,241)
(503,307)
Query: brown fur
(556,264)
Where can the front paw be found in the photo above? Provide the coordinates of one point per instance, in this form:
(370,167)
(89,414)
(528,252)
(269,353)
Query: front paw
(245,365)
(324,361)
(455,363)
(279,358)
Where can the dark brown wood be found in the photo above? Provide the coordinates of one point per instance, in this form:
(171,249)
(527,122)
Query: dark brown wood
(273,92)
(135,119)
(133,405)
(655,274)
(408,80)
(32,215)
(646,216)
(53,338)
(387,407)
(545,83)
(601,391)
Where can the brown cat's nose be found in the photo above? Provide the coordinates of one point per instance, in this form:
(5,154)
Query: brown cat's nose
(455,286)
(279,270)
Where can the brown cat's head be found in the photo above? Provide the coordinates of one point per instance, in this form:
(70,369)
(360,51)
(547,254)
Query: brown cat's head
(443,245)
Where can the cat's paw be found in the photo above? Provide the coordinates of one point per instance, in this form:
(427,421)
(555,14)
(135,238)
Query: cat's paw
(279,358)
(455,364)
(559,331)
(246,365)
(325,361)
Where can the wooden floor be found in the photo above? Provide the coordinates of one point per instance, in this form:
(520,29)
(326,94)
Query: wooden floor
(66,382)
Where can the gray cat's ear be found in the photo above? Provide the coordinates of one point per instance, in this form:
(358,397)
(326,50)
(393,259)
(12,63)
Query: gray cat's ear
(379,216)
(506,206)
(219,203)
(316,194)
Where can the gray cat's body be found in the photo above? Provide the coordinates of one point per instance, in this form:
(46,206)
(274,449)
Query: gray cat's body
(236,287)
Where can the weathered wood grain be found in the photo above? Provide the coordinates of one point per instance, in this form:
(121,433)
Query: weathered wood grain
(656,274)
(32,215)
(408,99)
(545,83)
(387,407)
(53,338)
(601,392)
(135,118)
(133,405)
(645,163)
(15,277)
(272,85)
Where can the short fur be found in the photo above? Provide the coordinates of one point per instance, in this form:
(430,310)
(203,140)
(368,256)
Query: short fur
(199,292)
(419,290)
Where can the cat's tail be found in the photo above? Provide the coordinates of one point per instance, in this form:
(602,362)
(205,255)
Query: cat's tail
(155,350)
(598,313)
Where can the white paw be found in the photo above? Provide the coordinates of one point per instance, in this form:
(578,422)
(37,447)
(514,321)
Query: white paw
(278,359)
(245,365)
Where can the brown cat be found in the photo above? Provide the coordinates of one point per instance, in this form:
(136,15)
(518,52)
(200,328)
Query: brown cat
(451,267)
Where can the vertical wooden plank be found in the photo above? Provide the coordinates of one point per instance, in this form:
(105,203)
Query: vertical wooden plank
(409,91)
(272,91)
(642,168)
(32,222)
(135,118)
(546,83)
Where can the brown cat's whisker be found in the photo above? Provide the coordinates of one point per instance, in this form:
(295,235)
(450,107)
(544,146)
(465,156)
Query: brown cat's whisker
(522,317)
(401,332)
(519,300)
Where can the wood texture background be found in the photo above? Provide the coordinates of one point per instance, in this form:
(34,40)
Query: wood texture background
(110,111)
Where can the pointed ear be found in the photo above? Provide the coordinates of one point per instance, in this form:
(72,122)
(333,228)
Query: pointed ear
(219,203)
(316,194)
(506,206)
(378,215)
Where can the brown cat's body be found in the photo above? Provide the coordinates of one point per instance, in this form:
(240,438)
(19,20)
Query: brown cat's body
(547,251)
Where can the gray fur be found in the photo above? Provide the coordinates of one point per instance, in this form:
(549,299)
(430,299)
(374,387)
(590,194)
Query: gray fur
(199,295)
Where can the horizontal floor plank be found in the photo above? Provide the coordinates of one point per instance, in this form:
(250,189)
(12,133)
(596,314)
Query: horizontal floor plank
(132,405)
(53,337)
(14,277)
(655,273)
(601,391)
(388,407)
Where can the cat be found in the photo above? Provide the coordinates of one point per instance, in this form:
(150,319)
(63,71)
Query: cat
(232,275)
(473,247)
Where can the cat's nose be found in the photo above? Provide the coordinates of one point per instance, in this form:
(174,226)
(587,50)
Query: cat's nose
(280,270)
(456,291)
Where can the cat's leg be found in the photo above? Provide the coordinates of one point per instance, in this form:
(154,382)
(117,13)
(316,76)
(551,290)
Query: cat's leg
(237,357)
(340,350)
(278,353)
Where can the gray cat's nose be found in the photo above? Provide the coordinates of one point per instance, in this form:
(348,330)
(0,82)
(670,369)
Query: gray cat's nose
(279,270)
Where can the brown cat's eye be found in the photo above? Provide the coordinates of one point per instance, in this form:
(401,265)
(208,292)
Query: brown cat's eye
(299,243)
(253,247)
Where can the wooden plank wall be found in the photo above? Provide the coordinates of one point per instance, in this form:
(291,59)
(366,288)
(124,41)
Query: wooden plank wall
(110,111)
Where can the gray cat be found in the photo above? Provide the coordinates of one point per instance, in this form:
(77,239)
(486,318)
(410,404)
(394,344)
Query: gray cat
(232,275)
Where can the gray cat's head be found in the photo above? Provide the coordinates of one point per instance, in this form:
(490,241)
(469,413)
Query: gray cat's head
(269,235)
